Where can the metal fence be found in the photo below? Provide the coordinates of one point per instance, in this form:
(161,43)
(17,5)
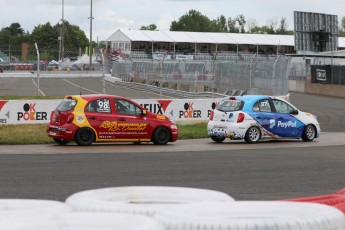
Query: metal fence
(258,75)
(317,69)
(15,54)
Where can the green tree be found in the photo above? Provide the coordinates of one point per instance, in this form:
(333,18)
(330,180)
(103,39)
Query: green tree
(237,25)
(152,27)
(232,25)
(219,25)
(13,35)
(192,21)
(45,36)
(241,23)
(74,37)
(261,30)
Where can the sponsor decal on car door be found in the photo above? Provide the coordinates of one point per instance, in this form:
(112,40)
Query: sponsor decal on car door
(131,123)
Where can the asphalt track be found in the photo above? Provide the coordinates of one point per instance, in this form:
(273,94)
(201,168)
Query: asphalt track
(268,170)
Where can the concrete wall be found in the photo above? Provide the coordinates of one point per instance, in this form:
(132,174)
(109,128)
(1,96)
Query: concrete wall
(317,88)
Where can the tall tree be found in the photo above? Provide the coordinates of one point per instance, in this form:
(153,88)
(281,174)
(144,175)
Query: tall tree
(241,22)
(233,28)
(74,37)
(13,35)
(220,24)
(45,36)
(192,21)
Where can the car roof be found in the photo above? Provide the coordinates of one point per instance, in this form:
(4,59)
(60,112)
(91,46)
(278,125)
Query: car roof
(248,100)
(90,97)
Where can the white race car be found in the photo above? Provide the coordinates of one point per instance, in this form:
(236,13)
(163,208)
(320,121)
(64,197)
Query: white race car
(252,117)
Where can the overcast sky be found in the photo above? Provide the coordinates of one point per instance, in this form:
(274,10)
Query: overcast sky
(110,15)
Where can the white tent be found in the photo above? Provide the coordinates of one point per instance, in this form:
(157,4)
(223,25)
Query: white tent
(84,61)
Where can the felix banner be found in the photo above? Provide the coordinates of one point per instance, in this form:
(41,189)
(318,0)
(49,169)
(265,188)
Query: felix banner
(39,111)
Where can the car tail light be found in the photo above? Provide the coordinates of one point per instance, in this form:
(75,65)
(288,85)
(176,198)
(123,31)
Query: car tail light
(70,118)
(232,98)
(211,115)
(240,117)
(52,117)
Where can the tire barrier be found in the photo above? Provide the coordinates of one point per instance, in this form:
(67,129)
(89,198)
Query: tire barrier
(252,215)
(171,208)
(336,200)
(145,200)
(84,221)
(14,208)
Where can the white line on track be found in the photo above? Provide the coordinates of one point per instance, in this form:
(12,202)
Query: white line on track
(81,87)
(37,87)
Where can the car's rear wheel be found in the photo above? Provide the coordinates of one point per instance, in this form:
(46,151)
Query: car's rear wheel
(85,136)
(217,139)
(253,135)
(161,136)
(60,141)
(309,133)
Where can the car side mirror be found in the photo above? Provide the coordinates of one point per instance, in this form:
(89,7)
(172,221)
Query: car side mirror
(143,113)
(294,112)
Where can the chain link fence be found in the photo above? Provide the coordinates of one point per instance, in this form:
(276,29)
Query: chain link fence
(257,75)
(24,58)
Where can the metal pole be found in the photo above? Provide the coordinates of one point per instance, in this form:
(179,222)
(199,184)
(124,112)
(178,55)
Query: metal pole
(103,62)
(38,70)
(161,78)
(90,48)
(9,52)
(62,32)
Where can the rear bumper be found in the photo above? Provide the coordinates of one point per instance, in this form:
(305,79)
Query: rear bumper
(223,129)
(66,132)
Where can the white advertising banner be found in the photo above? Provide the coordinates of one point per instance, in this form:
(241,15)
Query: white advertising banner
(38,111)
(26,111)
(183,57)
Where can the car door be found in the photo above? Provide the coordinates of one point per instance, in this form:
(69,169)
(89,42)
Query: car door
(100,114)
(132,124)
(264,115)
(287,125)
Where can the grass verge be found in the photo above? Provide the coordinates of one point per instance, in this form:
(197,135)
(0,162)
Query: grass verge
(36,134)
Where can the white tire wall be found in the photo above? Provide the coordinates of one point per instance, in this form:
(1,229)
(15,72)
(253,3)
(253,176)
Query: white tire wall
(13,208)
(141,199)
(252,215)
(84,221)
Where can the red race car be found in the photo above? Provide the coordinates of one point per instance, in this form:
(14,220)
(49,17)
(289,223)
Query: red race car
(106,118)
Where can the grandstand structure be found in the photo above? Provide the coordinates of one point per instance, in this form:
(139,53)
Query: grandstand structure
(143,44)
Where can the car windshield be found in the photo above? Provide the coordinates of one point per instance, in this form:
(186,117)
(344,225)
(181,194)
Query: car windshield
(230,105)
(66,105)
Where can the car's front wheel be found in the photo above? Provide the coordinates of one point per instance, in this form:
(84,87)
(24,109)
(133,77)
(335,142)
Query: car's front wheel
(253,135)
(161,136)
(85,136)
(309,133)
(60,141)
(217,139)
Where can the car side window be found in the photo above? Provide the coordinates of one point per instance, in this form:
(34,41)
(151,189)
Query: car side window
(262,106)
(99,106)
(126,107)
(282,107)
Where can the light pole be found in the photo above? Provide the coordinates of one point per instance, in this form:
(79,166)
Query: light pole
(90,48)
(62,32)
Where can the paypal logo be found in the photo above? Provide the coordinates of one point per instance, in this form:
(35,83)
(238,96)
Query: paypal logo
(289,124)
